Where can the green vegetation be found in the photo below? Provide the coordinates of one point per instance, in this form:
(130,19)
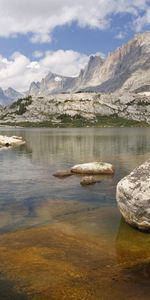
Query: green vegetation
(79,121)
(21,105)
(115,121)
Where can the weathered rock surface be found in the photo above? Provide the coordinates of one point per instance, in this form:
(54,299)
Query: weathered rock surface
(63,174)
(93,168)
(88,105)
(6,141)
(133,197)
(87,180)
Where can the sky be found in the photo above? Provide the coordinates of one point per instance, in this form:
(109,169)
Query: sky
(37,37)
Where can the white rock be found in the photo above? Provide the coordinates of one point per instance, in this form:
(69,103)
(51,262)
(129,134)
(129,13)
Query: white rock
(133,197)
(93,168)
(6,141)
(17,137)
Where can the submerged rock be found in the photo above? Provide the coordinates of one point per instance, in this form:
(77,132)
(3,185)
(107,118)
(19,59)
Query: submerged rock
(93,168)
(133,197)
(87,180)
(6,141)
(63,174)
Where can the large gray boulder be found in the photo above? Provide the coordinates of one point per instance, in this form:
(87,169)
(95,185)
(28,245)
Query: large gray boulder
(133,197)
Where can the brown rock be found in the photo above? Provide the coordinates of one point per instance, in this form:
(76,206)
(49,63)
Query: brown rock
(87,180)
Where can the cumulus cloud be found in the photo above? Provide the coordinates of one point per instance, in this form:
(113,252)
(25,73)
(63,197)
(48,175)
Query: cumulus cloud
(120,35)
(39,18)
(19,71)
(38,54)
(142,21)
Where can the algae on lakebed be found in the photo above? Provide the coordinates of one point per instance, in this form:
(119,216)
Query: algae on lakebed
(73,258)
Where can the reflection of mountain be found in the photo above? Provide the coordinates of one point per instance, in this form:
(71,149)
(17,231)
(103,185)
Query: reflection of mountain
(79,145)
(30,180)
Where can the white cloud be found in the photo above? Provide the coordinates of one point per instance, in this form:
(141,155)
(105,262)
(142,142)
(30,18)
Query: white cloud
(19,71)
(61,62)
(142,21)
(39,18)
(38,54)
(120,35)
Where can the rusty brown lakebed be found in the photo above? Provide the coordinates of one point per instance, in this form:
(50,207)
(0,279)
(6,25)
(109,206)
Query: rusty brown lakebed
(59,240)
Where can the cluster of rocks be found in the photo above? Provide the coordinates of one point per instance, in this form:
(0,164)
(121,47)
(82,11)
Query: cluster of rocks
(88,172)
(133,191)
(6,141)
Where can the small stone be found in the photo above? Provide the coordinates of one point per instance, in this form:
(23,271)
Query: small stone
(63,174)
(87,180)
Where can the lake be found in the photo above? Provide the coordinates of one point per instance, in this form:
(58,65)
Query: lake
(58,239)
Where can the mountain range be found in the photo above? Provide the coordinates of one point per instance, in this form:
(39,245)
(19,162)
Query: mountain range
(126,69)
(9,95)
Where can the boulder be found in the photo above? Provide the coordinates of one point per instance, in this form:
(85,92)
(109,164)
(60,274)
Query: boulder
(93,168)
(133,197)
(6,141)
(63,174)
(87,180)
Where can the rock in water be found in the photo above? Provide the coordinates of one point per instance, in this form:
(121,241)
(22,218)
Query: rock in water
(87,180)
(93,168)
(6,141)
(133,197)
(63,174)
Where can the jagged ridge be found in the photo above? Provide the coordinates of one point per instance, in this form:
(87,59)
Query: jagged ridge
(127,68)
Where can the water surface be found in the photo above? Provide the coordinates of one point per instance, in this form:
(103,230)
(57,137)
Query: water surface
(59,240)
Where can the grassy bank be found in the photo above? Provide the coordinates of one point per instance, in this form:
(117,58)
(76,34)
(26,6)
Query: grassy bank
(66,121)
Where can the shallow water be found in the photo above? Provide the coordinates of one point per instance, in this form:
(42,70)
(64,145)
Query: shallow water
(59,240)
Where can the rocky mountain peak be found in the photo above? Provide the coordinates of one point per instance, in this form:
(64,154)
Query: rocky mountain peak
(127,68)
(8,96)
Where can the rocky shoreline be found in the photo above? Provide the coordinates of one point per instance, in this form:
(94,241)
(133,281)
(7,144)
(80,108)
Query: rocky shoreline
(80,110)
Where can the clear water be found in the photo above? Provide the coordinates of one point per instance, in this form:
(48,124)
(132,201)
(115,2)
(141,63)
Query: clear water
(59,240)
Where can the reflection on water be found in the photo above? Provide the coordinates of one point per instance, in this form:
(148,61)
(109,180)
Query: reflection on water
(59,240)
(132,245)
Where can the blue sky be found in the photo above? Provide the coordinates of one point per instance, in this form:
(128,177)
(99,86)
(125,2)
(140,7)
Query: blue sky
(59,36)
(84,40)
